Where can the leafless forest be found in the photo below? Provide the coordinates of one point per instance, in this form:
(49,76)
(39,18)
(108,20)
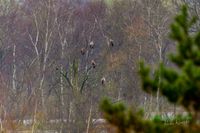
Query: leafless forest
(59,58)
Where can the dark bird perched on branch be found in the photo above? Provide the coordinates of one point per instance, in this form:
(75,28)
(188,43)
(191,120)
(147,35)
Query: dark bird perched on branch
(111,43)
(91,44)
(83,51)
(103,80)
(93,63)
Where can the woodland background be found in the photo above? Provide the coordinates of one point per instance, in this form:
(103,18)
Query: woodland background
(50,72)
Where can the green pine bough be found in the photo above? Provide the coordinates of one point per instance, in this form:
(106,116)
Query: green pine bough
(180,85)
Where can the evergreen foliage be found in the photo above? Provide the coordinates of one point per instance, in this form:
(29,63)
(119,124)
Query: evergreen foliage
(180,85)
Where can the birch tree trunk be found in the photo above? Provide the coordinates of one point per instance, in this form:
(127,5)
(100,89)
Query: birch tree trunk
(34,118)
(14,69)
(46,20)
(158,91)
(62,87)
(89,119)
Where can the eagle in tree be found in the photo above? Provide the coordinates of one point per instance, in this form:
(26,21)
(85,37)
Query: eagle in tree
(111,43)
(83,51)
(91,44)
(103,80)
(93,63)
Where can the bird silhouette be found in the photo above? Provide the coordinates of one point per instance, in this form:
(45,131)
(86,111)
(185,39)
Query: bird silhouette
(93,63)
(91,44)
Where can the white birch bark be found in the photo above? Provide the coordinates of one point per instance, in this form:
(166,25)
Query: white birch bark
(14,68)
